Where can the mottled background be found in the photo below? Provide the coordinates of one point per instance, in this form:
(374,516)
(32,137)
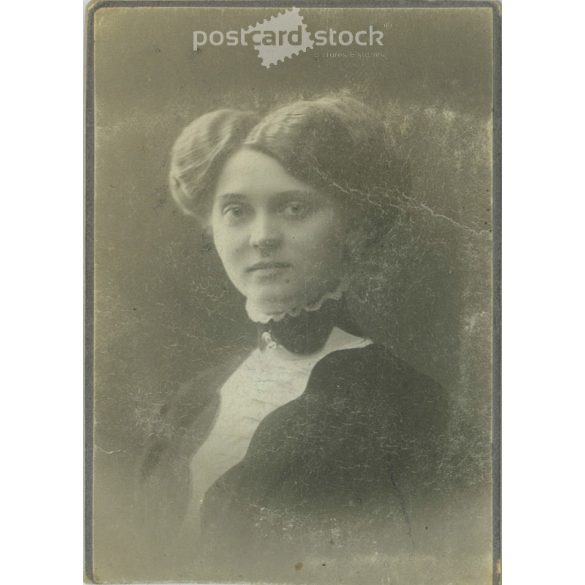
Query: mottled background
(163,308)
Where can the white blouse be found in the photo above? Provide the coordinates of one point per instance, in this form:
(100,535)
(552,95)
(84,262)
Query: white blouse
(266,380)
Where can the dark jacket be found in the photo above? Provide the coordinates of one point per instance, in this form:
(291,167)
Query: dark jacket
(339,469)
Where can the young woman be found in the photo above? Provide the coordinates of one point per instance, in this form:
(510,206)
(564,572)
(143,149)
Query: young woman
(318,448)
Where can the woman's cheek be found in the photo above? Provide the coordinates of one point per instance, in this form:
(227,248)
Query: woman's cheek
(225,240)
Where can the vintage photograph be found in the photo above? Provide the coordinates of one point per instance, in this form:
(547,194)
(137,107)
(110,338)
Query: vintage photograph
(292,234)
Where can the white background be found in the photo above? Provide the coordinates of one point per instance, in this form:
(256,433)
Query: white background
(41,259)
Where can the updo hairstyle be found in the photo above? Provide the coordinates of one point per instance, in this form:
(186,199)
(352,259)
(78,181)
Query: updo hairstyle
(334,143)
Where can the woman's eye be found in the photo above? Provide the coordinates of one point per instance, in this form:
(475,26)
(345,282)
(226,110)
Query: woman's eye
(234,212)
(296,209)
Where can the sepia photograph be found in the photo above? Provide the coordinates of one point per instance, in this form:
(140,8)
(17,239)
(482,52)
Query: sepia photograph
(292,293)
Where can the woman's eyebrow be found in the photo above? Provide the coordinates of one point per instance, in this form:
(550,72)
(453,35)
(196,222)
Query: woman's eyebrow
(279,195)
(310,193)
(231,197)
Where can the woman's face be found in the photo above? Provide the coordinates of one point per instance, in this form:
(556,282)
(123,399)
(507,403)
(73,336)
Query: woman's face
(280,241)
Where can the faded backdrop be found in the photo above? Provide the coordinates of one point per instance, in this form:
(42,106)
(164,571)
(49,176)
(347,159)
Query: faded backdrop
(163,308)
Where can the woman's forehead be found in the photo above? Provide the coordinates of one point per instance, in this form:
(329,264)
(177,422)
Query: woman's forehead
(252,174)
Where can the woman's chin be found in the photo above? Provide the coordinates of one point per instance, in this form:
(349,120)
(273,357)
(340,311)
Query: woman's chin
(275,300)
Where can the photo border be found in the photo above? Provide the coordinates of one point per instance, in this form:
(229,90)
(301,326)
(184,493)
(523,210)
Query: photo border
(89,184)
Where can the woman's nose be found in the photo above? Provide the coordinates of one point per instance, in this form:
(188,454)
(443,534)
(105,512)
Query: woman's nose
(265,233)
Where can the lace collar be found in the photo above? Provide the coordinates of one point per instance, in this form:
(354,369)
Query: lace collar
(306,331)
(258,316)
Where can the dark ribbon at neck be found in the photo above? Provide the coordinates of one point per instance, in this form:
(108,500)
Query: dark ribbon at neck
(307,332)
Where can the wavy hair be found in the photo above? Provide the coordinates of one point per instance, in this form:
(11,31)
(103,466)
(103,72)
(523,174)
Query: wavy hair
(334,143)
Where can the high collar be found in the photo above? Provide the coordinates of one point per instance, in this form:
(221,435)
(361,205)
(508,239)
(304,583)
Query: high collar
(256,314)
(307,332)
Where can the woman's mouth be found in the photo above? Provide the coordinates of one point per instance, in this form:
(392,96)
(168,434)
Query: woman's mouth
(268,266)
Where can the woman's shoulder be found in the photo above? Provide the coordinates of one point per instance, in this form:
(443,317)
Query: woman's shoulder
(374,381)
(185,404)
(190,396)
(375,365)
